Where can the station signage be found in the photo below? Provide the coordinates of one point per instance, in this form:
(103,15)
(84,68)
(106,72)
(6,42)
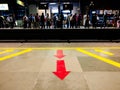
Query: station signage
(4,7)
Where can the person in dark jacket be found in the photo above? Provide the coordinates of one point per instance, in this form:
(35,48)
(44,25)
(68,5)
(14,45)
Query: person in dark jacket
(42,20)
(61,19)
(1,22)
(79,20)
(48,23)
(94,20)
(87,21)
(105,19)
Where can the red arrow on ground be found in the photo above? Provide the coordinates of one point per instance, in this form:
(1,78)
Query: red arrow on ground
(61,70)
(59,54)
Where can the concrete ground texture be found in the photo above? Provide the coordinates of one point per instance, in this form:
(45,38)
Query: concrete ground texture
(60,66)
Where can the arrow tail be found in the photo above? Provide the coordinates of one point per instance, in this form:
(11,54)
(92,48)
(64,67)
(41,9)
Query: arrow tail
(61,66)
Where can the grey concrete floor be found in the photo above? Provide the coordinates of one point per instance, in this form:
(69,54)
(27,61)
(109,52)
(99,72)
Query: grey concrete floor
(30,66)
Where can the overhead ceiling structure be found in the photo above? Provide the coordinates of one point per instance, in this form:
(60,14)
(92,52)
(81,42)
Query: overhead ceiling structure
(113,4)
(53,0)
(98,3)
(101,4)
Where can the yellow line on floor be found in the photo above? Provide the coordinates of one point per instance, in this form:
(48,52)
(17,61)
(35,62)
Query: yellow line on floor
(15,54)
(42,48)
(5,51)
(104,52)
(63,48)
(109,61)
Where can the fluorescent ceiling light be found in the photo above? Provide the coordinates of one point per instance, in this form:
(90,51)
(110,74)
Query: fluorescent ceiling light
(53,3)
(66,11)
(42,3)
(66,3)
(20,3)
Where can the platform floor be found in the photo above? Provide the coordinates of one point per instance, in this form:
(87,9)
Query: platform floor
(60,66)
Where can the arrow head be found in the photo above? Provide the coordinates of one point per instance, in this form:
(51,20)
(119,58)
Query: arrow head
(61,74)
(59,56)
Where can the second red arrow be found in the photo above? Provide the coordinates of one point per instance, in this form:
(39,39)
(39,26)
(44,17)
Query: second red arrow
(59,54)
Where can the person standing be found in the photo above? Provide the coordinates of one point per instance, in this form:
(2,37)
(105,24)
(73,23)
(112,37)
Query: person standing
(48,23)
(25,21)
(91,9)
(87,20)
(79,20)
(11,21)
(37,21)
(116,18)
(75,20)
(68,20)
(1,22)
(94,20)
(71,21)
(42,20)
(54,20)
(31,19)
(61,19)
(105,19)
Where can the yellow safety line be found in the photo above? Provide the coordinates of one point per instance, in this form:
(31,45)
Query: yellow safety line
(104,52)
(5,51)
(109,61)
(64,48)
(42,48)
(15,54)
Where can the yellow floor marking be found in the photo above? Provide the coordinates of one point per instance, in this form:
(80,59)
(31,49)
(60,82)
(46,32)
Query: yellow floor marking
(63,48)
(109,61)
(15,54)
(104,52)
(10,50)
(44,48)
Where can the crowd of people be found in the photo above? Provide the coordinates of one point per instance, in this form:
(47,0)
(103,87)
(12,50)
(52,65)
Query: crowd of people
(9,21)
(94,21)
(57,21)
(70,21)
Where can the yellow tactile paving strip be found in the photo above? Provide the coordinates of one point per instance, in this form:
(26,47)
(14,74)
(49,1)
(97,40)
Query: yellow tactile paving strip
(63,48)
(80,49)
